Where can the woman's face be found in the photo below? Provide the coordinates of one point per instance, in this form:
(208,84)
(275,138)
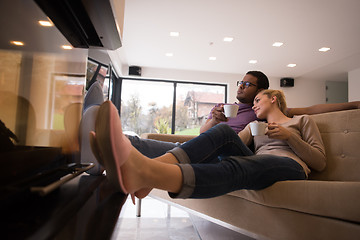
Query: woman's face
(262,105)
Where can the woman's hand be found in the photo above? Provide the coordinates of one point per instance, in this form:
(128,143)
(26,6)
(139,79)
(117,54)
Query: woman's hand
(278,132)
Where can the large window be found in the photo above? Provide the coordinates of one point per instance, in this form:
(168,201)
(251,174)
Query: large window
(160,106)
(193,104)
(146,106)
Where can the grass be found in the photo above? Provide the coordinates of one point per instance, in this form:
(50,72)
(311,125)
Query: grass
(193,131)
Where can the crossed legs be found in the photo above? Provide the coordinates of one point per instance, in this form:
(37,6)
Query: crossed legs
(197,169)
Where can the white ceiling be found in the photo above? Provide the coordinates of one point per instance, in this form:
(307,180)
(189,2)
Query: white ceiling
(303,25)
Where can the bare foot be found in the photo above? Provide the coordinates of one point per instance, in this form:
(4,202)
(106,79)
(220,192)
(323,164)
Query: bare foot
(142,193)
(140,174)
(133,173)
(109,145)
(125,167)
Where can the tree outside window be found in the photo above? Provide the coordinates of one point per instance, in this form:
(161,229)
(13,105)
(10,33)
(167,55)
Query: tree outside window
(147,106)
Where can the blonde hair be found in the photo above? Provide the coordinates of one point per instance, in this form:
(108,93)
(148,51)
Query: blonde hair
(280,98)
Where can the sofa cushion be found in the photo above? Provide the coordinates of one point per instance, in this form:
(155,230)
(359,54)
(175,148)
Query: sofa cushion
(324,198)
(168,137)
(340,132)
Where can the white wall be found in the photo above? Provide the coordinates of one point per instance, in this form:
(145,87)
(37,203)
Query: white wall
(306,92)
(354,85)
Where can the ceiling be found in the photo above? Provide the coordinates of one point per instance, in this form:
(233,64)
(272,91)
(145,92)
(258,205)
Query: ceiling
(19,21)
(303,26)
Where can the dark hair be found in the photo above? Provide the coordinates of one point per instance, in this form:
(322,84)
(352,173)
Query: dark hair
(262,79)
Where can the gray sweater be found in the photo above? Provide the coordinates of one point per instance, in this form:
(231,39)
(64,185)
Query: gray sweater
(305,145)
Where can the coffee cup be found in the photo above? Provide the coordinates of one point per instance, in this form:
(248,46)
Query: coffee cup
(258,128)
(230,110)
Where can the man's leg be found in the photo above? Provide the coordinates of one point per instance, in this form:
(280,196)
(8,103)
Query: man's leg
(211,146)
(151,148)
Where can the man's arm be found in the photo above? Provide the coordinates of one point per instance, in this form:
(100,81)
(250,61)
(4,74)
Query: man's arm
(208,124)
(217,117)
(323,108)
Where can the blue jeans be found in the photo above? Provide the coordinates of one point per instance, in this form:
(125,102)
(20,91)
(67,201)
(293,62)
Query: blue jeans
(151,148)
(218,162)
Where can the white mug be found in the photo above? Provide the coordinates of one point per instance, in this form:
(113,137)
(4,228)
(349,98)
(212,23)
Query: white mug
(258,128)
(231,110)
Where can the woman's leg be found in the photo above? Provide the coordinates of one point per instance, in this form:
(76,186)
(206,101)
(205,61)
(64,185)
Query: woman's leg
(219,141)
(235,173)
(208,180)
(142,173)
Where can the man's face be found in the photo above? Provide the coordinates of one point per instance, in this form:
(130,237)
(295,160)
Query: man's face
(247,94)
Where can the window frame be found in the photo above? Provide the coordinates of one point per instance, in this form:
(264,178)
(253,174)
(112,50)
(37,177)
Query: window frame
(174,82)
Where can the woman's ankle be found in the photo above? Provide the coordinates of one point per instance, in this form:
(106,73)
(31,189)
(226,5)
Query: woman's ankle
(167,158)
(134,171)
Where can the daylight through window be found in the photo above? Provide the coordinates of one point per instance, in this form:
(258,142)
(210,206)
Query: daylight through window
(170,107)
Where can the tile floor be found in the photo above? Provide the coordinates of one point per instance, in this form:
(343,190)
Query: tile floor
(162,221)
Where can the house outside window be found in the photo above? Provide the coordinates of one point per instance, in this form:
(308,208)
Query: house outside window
(169,107)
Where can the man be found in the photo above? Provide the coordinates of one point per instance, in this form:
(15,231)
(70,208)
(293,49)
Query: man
(252,83)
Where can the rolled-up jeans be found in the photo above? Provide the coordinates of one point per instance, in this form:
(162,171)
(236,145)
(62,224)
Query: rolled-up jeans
(218,162)
(151,148)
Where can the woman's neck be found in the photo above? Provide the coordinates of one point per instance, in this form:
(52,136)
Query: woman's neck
(276,116)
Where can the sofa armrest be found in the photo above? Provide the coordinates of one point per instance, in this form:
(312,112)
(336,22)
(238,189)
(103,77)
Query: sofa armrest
(168,137)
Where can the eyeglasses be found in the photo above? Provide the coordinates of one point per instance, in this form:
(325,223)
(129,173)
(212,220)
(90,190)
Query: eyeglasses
(245,83)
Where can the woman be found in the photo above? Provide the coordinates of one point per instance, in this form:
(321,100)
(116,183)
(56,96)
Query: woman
(217,161)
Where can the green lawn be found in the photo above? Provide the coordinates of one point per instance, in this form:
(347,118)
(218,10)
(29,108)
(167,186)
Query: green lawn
(194,131)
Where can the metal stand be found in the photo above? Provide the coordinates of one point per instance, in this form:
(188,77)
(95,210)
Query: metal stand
(138,207)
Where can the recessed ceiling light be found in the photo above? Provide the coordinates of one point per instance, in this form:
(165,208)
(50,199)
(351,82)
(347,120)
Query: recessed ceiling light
(228,39)
(169,54)
(174,34)
(277,44)
(66,47)
(324,49)
(17,43)
(46,23)
(253,61)
(291,65)
(212,58)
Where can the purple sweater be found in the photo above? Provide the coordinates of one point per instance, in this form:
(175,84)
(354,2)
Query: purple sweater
(244,116)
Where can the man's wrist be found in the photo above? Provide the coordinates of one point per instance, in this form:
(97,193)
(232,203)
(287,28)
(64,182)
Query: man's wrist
(214,122)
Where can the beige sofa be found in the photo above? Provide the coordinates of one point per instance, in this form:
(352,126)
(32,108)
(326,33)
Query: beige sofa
(327,206)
